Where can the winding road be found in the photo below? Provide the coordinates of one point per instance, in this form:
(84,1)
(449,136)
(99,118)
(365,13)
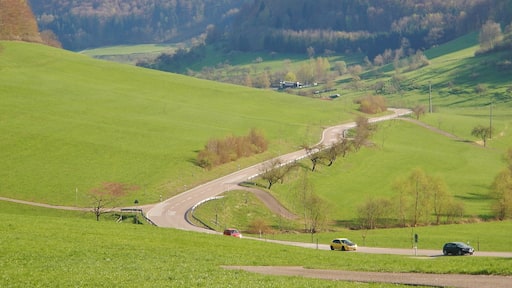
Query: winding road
(171,213)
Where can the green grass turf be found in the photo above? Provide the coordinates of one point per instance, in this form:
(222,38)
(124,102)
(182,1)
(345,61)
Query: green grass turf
(68,252)
(239,208)
(68,122)
(466,168)
(130,49)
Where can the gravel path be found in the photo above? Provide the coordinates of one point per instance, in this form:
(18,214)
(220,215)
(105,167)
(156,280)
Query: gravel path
(435,280)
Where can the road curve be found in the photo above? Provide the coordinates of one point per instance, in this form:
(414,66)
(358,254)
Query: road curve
(171,213)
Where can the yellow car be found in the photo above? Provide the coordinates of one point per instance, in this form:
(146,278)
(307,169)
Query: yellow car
(343,244)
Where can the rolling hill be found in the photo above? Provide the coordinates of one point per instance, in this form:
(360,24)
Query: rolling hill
(70,123)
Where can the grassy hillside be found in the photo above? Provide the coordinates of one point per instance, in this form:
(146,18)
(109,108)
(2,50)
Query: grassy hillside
(133,53)
(465,166)
(467,169)
(70,122)
(77,122)
(68,252)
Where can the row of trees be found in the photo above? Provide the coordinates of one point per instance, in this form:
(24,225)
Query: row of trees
(492,38)
(315,209)
(275,170)
(231,148)
(423,199)
(420,199)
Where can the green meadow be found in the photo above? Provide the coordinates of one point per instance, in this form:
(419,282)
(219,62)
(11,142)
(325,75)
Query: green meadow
(131,54)
(399,147)
(70,123)
(240,208)
(41,249)
(467,168)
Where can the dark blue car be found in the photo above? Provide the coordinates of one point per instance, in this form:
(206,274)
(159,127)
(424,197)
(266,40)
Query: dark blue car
(457,248)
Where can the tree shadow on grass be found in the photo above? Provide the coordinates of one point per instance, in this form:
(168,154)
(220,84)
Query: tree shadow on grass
(473,197)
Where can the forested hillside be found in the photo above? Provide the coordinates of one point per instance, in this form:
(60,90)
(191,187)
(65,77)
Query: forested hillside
(17,21)
(341,26)
(349,25)
(93,23)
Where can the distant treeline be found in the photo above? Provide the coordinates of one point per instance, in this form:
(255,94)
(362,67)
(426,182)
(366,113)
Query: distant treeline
(370,26)
(93,23)
(359,25)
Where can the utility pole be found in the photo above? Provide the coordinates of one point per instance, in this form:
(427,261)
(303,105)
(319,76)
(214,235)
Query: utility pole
(430,97)
(490,120)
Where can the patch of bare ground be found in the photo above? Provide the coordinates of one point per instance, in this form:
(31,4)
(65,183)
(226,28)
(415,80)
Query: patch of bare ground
(416,279)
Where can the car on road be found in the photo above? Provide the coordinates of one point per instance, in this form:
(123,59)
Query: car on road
(457,248)
(233,232)
(343,244)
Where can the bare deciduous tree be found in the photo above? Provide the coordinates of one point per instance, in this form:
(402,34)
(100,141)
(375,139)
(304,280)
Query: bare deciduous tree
(501,190)
(314,153)
(418,110)
(372,210)
(483,132)
(275,171)
(440,197)
(490,35)
(104,198)
(321,155)
(363,132)
(314,208)
(421,195)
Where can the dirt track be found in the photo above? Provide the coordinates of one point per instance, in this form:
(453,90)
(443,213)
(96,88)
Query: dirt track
(435,280)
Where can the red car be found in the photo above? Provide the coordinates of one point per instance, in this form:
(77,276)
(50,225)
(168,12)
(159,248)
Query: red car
(233,232)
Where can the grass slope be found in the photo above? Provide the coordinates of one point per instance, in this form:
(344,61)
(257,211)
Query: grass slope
(468,170)
(69,252)
(68,121)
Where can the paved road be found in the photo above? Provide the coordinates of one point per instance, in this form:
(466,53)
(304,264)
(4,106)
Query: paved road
(377,250)
(171,212)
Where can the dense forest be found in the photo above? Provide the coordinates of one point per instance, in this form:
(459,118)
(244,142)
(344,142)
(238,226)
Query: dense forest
(94,23)
(340,26)
(382,30)
(368,26)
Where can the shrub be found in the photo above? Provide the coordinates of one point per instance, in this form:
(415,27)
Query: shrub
(258,226)
(371,104)
(231,148)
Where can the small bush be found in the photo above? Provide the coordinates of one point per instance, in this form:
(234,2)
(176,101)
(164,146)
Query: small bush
(258,226)
(372,104)
(231,148)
